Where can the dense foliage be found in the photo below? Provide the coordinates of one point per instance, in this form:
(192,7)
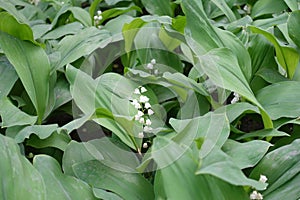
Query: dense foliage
(149,99)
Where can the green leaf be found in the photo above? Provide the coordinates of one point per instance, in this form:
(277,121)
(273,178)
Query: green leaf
(282,168)
(233,111)
(219,164)
(10,25)
(18,176)
(106,150)
(263,133)
(292,4)
(158,7)
(83,43)
(287,57)
(222,5)
(57,140)
(179,181)
(222,68)
(202,36)
(247,154)
(293,22)
(111,93)
(8,76)
(103,194)
(263,7)
(126,185)
(271,75)
(42,131)
(78,13)
(13,116)
(59,185)
(114,12)
(33,68)
(280,99)
(68,29)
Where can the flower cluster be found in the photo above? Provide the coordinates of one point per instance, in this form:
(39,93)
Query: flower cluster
(141,103)
(98,18)
(236,98)
(256,195)
(151,67)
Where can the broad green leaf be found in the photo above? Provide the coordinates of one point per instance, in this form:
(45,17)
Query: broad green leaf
(40,29)
(263,133)
(281,99)
(83,43)
(126,185)
(114,12)
(222,68)
(13,116)
(78,153)
(247,154)
(68,29)
(179,181)
(219,164)
(106,150)
(33,68)
(270,22)
(42,131)
(10,7)
(18,176)
(103,194)
(62,93)
(57,140)
(263,7)
(287,56)
(8,77)
(292,4)
(158,7)
(233,111)
(202,36)
(78,13)
(10,25)
(282,168)
(59,185)
(271,75)
(111,92)
(293,23)
(222,5)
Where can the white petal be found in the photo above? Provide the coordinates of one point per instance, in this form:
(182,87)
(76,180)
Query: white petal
(137,117)
(100,17)
(150,112)
(143,90)
(134,102)
(263,178)
(149,66)
(147,105)
(142,120)
(147,129)
(136,91)
(153,61)
(99,12)
(95,17)
(145,145)
(148,122)
(143,99)
(137,106)
(141,135)
(140,113)
(156,72)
